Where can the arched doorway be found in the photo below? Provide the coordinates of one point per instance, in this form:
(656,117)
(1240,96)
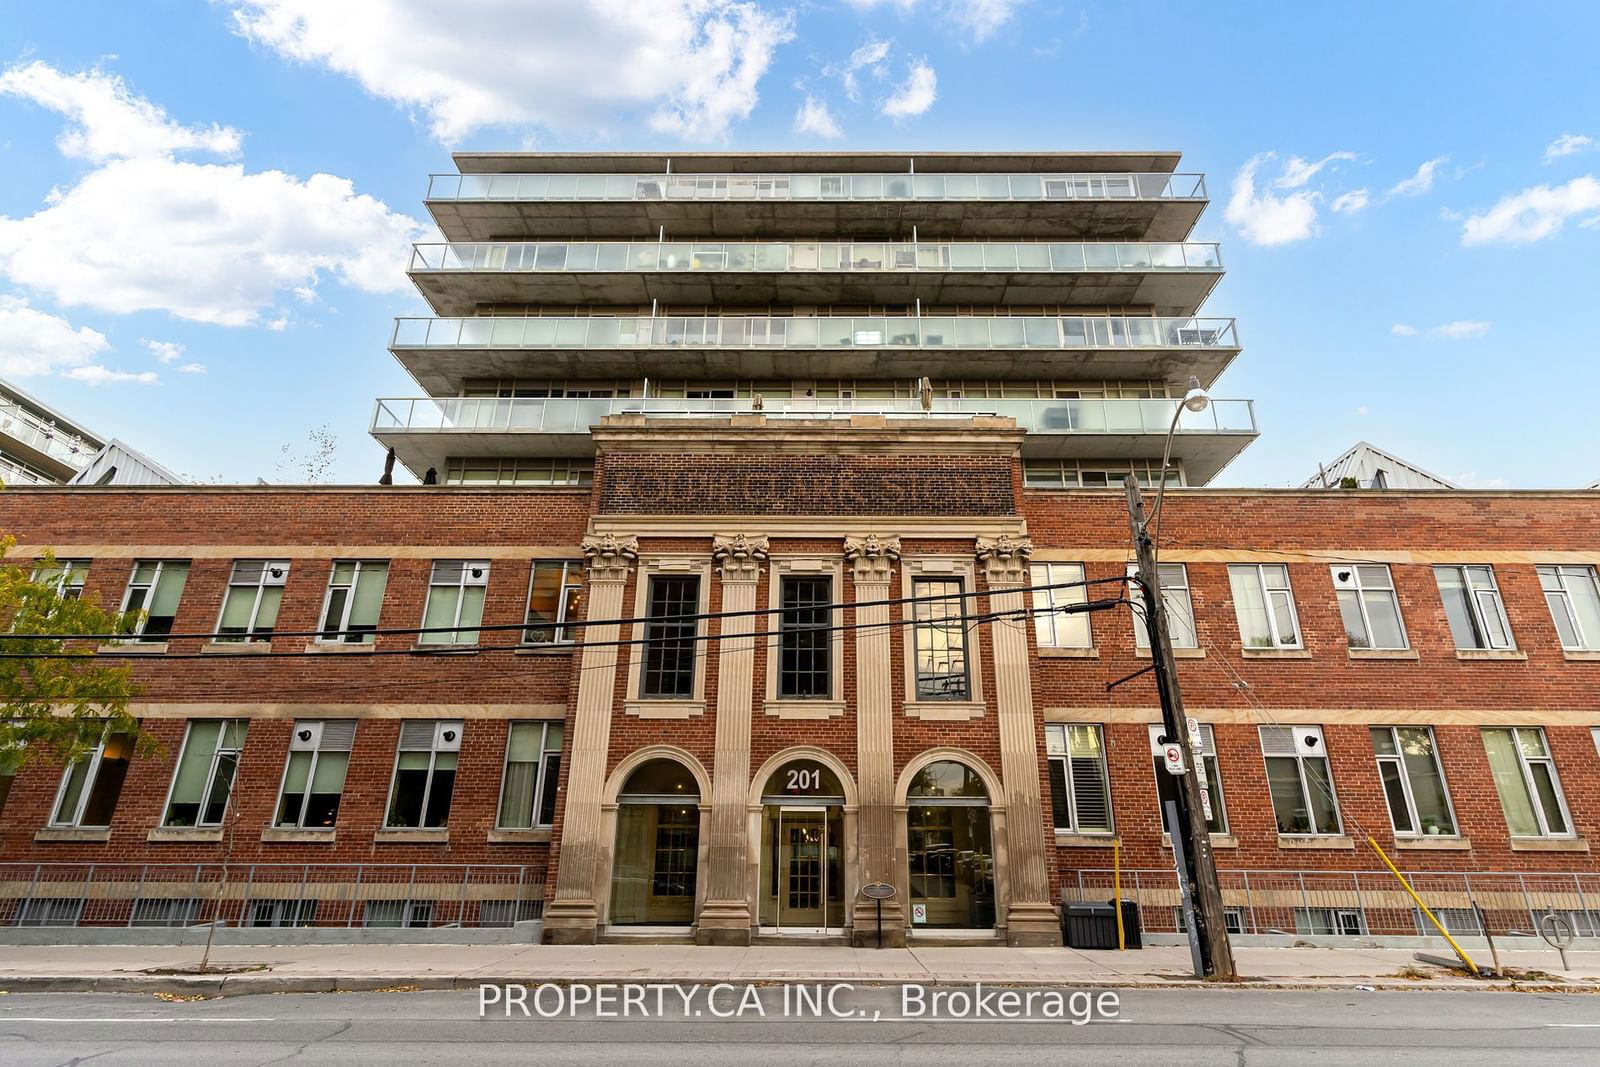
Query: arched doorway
(801,888)
(655,864)
(949,849)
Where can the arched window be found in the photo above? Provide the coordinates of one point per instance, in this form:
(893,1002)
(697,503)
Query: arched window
(659,781)
(947,780)
(655,863)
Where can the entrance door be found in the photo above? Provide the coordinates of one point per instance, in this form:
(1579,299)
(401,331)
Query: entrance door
(804,876)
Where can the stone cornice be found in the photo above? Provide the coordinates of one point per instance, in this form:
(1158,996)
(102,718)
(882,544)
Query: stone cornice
(608,557)
(739,556)
(1004,559)
(872,557)
(956,435)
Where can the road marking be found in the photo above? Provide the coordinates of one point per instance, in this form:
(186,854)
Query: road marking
(1577,1026)
(81,1019)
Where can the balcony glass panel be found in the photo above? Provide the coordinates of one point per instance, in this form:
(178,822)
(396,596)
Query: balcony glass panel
(1033,257)
(1098,257)
(1131,256)
(994,187)
(1066,257)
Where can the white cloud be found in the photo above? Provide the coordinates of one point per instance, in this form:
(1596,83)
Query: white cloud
(1459,330)
(1472,480)
(915,95)
(1263,217)
(164,351)
(1350,203)
(107,120)
(982,18)
(1421,181)
(34,342)
(193,368)
(1533,214)
(95,374)
(1568,144)
(1363,410)
(870,57)
(1400,329)
(693,66)
(1296,172)
(814,118)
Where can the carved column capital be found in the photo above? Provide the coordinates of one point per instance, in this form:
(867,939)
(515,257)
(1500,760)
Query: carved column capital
(608,557)
(1004,559)
(872,557)
(739,556)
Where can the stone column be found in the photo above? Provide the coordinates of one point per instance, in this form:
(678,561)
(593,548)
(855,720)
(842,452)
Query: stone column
(725,917)
(572,918)
(872,559)
(1031,917)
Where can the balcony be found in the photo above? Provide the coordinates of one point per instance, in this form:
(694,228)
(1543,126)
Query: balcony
(14,473)
(1108,206)
(38,442)
(1172,278)
(441,353)
(424,431)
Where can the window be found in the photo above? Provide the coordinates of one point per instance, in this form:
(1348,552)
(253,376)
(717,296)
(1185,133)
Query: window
(1299,780)
(250,607)
(1175,596)
(206,767)
(1413,781)
(313,778)
(669,634)
(355,593)
(1055,628)
(50,911)
(455,598)
(1343,922)
(399,913)
(9,762)
(1573,594)
(1525,777)
(1232,918)
(1080,791)
(1472,603)
(66,575)
(165,911)
(533,765)
(1369,606)
(554,591)
(805,670)
(940,640)
(91,785)
(283,913)
(154,588)
(1166,784)
(509,912)
(424,774)
(1265,605)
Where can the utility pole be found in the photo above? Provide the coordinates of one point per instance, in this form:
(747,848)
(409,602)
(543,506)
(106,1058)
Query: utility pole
(1190,838)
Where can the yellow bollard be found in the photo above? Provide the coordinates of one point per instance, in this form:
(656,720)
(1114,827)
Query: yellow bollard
(1116,890)
(1473,967)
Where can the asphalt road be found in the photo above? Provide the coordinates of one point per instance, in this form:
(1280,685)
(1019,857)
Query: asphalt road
(1163,1027)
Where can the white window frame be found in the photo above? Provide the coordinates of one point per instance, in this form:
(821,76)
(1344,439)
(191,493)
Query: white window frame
(665,567)
(539,779)
(90,778)
(69,569)
(150,588)
(1176,598)
(1405,784)
(311,772)
(1298,735)
(1058,730)
(465,580)
(1258,573)
(211,773)
(1475,606)
(1046,619)
(1213,768)
(341,632)
(780,568)
(571,578)
(440,728)
(1528,783)
(274,572)
(1562,596)
(1356,583)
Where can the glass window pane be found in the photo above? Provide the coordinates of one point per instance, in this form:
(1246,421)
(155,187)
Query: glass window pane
(1426,781)
(1288,799)
(1506,768)
(1320,786)
(1453,591)
(1544,782)
(1385,616)
(1251,606)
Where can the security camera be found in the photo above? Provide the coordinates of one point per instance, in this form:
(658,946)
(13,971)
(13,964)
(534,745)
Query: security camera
(304,735)
(449,735)
(477,572)
(277,572)
(1311,742)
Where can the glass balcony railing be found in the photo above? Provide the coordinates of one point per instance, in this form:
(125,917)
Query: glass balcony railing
(821,187)
(22,425)
(824,332)
(22,474)
(814,256)
(1095,415)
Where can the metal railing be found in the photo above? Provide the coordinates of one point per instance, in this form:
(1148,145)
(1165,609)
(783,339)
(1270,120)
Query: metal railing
(815,256)
(23,425)
(818,187)
(270,894)
(1359,903)
(774,331)
(22,474)
(1092,415)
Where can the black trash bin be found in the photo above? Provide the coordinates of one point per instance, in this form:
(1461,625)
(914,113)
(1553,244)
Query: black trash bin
(1130,924)
(1089,925)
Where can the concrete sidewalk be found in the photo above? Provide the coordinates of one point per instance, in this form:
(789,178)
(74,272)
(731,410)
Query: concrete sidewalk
(323,968)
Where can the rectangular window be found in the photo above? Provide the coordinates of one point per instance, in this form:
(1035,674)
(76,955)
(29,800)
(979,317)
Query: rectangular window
(1175,596)
(424,774)
(67,575)
(555,589)
(151,601)
(355,594)
(1166,784)
(455,599)
(399,913)
(1341,922)
(805,668)
(1299,780)
(1472,604)
(1265,605)
(206,768)
(940,640)
(283,913)
(669,633)
(1080,790)
(1525,777)
(1413,782)
(1573,594)
(313,778)
(250,606)
(1369,606)
(533,766)
(1053,627)
(165,911)
(9,762)
(91,785)
(1232,918)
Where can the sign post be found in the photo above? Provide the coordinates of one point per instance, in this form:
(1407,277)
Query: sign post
(878,892)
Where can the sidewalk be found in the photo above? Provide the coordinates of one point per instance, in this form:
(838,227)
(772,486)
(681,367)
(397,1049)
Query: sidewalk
(325,968)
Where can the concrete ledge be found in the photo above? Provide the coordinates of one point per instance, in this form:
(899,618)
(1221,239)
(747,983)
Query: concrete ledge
(1084,840)
(185,835)
(1321,841)
(1275,653)
(554,648)
(412,837)
(334,648)
(75,835)
(1383,653)
(1549,844)
(1439,843)
(1583,656)
(535,836)
(276,835)
(245,647)
(1052,652)
(1177,653)
(942,710)
(1490,654)
(803,709)
(664,709)
(132,648)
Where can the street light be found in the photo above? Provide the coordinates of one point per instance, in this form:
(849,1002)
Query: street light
(1195,399)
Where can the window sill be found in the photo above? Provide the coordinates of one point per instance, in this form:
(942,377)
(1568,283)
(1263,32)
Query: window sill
(1177,653)
(942,710)
(1320,841)
(1434,843)
(1068,839)
(132,648)
(1581,655)
(562,648)
(73,835)
(1384,653)
(1549,844)
(185,835)
(1217,841)
(445,649)
(537,836)
(335,648)
(400,836)
(283,835)
(1275,653)
(247,647)
(1491,654)
(1054,652)
(804,709)
(664,709)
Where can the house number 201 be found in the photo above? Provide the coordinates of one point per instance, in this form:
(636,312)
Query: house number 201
(802,780)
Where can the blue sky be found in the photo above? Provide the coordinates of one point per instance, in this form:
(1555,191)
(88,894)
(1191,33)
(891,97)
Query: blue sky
(240,178)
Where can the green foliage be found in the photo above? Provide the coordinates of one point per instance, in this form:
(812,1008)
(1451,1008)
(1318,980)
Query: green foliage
(57,708)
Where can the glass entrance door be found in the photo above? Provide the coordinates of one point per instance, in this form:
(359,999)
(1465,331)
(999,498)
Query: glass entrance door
(801,880)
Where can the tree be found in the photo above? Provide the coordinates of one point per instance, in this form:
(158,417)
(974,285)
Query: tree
(57,698)
(322,445)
